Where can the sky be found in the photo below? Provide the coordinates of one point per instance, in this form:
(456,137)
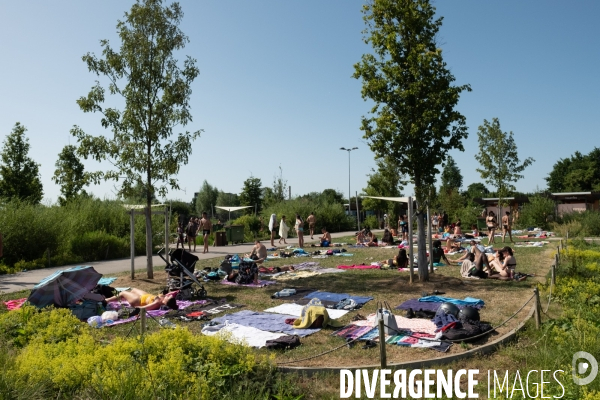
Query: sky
(276,90)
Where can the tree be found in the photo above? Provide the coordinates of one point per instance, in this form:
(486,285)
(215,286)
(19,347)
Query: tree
(413,120)
(206,198)
(499,159)
(280,187)
(538,212)
(70,175)
(578,173)
(19,174)
(451,176)
(155,92)
(476,190)
(383,182)
(251,195)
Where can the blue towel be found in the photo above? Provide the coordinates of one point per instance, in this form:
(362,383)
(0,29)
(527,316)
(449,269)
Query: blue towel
(265,321)
(468,301)
(106,281)
(337,297)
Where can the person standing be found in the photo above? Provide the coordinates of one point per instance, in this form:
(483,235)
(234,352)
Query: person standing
(205,226)
(300,230)
(191,230)
(445,220)
(491,224)
(283,230)
(311,223)
(273,228)
(507,227)
(180,231)
(435,221)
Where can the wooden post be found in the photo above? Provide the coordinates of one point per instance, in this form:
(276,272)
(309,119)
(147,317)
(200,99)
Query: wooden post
(553,274)
(562,246)
(556,260)
(143,320)
(537,313)
(557,251)
(410,244)
(132,240)
(382,355)
(429,240)
(167,236)
(567,240)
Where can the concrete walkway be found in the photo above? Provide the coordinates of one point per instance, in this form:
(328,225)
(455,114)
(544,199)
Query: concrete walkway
(28,279)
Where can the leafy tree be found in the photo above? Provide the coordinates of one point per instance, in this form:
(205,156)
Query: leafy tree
(499,159)
(578,173)
(476,190)
(385,182)
(181,208)
(452,202)
(538,212)
(206,198)
(70,175)
(251,194)
(155,92)
(332,196)
(413,120)
(280,187)
(19,174)
(451,176)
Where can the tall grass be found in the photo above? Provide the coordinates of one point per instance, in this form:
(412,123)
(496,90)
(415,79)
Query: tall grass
(90,229)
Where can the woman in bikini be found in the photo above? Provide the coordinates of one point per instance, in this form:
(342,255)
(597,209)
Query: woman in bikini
(506,227)
(491,224)
(300,230)
(140,299)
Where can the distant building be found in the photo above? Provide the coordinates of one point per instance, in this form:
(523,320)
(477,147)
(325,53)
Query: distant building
(575,202)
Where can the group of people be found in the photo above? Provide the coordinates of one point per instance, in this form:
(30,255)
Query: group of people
(492,224)
(191,231)
(281,227)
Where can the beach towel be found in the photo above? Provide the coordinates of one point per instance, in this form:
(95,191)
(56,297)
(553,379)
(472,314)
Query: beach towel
(358,267)
(240,334)
(272,222)
(312,314)
(352,331)
(337,297)
(296,310)
(106,280)
(468,301)
(265,321)
(15,304)
(283,229)
(260,284)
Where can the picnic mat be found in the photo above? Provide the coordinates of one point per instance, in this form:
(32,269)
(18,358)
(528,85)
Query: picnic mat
(337,297)
(296,310)
(300,293)
(209,309)
(115,305)
(265,321)
(235,333)
(468,301)
(106,280)
(414,325)
(260,284)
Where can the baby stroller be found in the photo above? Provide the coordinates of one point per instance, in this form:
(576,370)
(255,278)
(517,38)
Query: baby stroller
(180,275)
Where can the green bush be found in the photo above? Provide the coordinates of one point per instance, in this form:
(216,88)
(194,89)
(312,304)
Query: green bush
(539,212)
(329,215)
(371,222)
(586,223)
(99,245)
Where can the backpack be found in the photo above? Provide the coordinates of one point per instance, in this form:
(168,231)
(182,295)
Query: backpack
(246,273)
(284,342)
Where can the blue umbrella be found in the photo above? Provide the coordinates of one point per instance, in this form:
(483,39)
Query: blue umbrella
(64,287)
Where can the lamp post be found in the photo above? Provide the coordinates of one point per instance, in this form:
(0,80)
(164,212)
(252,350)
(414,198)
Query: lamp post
(349,192)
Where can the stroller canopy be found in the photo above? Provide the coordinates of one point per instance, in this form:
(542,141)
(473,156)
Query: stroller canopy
(64,287)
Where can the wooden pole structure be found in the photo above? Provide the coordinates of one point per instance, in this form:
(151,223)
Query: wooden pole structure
(357,213)
(167,228)
(132,241)
(553,280)
(143,320)
(410,244)
(382,354)
(537,313)
(429,240)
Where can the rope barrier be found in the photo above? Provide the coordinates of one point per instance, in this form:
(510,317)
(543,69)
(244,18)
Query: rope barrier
(412,336)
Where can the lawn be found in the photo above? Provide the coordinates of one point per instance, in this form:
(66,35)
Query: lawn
(502,300)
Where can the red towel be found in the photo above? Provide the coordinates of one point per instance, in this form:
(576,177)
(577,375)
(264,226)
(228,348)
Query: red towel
(15,304)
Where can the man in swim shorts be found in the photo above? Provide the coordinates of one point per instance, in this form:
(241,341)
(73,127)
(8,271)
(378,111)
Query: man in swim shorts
(205,226)
(311,223)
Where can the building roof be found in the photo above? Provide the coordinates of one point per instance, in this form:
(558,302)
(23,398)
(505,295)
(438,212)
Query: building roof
(576,196)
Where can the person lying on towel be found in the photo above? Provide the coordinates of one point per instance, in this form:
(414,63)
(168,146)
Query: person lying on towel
(140,299)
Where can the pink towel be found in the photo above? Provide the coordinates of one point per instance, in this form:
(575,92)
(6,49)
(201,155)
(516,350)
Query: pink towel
(359,267)
(15,304)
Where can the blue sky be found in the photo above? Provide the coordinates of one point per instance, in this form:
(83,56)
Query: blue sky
(275,86)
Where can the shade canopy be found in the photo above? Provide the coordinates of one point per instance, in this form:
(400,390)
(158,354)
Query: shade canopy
(396,199)
(64,287)
(230,209)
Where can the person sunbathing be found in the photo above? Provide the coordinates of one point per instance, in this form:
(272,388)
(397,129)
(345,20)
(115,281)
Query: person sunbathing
(274,270)
(437,253)
(507,265)
(140,299)
(474,234)
(371,239)
(326,238)
(470,249)
(400,261)
(387,238)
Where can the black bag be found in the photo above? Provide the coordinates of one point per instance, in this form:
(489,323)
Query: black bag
(246,273)
(284,342)
(85,309)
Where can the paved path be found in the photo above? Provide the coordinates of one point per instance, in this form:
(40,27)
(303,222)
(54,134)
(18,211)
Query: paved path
(28,279)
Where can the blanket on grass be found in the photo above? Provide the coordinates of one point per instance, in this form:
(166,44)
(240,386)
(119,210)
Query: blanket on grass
(252,285)
(296,310)
(358,267)
(265,321)
(240,334)
(337,297)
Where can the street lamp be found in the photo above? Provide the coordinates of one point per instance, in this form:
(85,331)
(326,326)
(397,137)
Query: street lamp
(349,192)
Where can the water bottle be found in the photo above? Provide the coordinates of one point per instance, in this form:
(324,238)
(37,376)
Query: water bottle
(165,323)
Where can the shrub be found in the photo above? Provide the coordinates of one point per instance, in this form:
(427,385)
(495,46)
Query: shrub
(330,215)
(539,212)
(99,245)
